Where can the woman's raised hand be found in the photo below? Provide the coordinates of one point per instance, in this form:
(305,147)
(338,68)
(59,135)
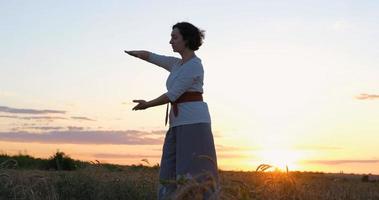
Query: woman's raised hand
(132,53)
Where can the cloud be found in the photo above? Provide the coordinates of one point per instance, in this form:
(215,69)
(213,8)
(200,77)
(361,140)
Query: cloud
(367,96)
(128,137)
(140,156)
(75,128)
(37,112)
(83,118)
(29,111)
(116,156)
(44,127)
(32,117)
(26,127)
(315,147)
(223,148)
(337,162)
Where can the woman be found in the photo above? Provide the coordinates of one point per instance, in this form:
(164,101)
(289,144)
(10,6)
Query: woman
(188,150)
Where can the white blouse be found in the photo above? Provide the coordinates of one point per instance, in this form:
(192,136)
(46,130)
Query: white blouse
(186,77)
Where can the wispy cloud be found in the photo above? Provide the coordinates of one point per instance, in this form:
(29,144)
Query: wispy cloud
(337,162)
(116,156)
(29,111)
(75,128)
(316,147)
(44,128)
(140,156)
(83,118)
(34,112)
(128,137)
(367,96)
(44,117)
(223,148)
(28,127)
(32,117)
(237,156)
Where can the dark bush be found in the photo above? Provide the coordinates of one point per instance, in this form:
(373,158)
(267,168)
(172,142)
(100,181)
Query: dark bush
(365,178)
(60,161)
(21,162)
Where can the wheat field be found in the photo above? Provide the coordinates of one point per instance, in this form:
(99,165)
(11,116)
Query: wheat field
(98,181)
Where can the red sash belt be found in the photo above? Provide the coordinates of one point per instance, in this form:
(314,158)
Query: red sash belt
(186,97)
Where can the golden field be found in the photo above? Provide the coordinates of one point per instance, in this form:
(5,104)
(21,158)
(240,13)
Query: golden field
(140,182)
(25,177)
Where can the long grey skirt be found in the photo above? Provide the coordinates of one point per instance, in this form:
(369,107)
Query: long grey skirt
(188,153)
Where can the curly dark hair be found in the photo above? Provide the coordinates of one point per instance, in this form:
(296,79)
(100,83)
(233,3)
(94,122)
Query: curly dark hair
(191,34)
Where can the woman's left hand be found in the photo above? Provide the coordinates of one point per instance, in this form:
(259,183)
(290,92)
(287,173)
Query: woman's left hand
(142,105)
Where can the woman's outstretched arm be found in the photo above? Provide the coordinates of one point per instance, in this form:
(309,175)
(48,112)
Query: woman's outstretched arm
(165,62)
(144,55)
(142,104)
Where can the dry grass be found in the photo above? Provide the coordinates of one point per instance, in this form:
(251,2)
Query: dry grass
(139,182)
(297,185)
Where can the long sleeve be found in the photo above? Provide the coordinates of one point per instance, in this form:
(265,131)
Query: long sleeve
(165,62)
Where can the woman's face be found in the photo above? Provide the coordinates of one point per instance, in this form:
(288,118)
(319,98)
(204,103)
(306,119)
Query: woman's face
(177,42)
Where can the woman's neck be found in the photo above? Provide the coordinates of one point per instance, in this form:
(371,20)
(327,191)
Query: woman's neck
(187,55)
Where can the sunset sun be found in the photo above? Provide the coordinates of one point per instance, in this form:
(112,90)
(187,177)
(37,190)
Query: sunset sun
(280,158)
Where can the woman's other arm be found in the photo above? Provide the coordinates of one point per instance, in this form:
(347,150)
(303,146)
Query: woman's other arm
(142,104)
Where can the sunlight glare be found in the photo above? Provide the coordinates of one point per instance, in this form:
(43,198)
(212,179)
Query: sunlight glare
(280,158)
